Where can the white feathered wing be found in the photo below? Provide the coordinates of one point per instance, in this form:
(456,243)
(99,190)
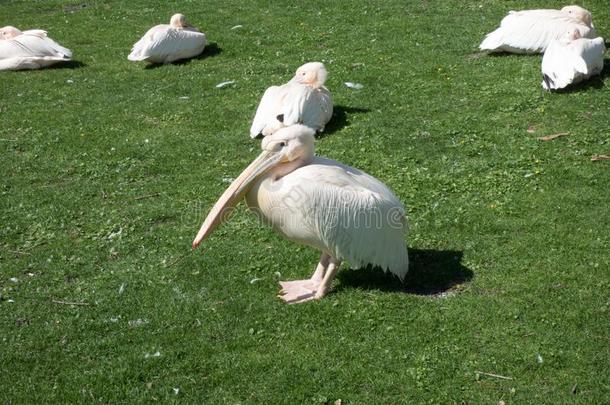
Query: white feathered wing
(32,49)
(289,104)
(569,62)
(165,44)
(531,31)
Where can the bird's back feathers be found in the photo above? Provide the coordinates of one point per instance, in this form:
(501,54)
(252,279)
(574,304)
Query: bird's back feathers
(165,44)
(531,31)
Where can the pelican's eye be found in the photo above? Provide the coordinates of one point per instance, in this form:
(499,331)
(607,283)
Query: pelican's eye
(276,146)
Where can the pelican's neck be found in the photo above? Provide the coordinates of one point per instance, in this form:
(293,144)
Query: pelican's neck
(286,168)
(314,84)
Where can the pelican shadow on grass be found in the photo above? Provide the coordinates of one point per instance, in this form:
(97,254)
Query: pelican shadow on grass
(71,64)
(431,272)
(340,119)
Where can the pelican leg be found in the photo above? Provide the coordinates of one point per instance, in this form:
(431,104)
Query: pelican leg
(295,292)
(315,279)
(331,271)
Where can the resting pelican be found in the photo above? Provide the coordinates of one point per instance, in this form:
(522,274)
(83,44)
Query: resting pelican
(31,49)
(571,59)
(531,31)
(9,32)
(167,43)
(303,100)
(339,210)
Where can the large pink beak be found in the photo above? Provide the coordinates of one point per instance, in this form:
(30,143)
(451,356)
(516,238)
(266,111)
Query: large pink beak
(235,192)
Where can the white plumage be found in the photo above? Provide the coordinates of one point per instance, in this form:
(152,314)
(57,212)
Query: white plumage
(31,49)
(303,100)
(168,43)
(531,31)
(337,209)
(571,59)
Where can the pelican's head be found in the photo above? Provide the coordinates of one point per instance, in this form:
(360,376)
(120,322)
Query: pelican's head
(178,21)
(290,143)
(9,32)
(579,13)
(283,152)
(312,74)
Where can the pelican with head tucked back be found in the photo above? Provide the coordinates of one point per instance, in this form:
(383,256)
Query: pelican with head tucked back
(31,49)
(531,31)
(167,43)
(341,211)
(303,100)
(571,59)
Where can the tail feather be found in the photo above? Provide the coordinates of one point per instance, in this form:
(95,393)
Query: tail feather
(550,84)
(65,52)
(137,52)
(136,57)
(492,41)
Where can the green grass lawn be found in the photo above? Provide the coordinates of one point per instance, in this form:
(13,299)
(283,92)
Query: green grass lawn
(109,167)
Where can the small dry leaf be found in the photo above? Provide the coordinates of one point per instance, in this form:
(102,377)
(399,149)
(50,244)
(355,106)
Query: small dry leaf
(356,86)
(554,136)
(595,158)
(531,128)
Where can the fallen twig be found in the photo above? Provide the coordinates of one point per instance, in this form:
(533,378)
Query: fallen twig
(70,303)
(8,140)
(19,252)
(595,158)
(494,375)
(176,260)
(24,250)
(554,136)
(141,197)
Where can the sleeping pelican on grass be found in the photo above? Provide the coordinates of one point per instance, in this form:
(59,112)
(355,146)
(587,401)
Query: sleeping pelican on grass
(31,49)
(531,31)
(9,32)
(341,211)
(168,43)
(572,59)
(303,100)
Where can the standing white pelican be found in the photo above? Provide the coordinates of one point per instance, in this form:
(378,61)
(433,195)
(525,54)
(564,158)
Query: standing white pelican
(303,100)
(531,31)
(572,59)
(339,210)
(31,49)
(167,43)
